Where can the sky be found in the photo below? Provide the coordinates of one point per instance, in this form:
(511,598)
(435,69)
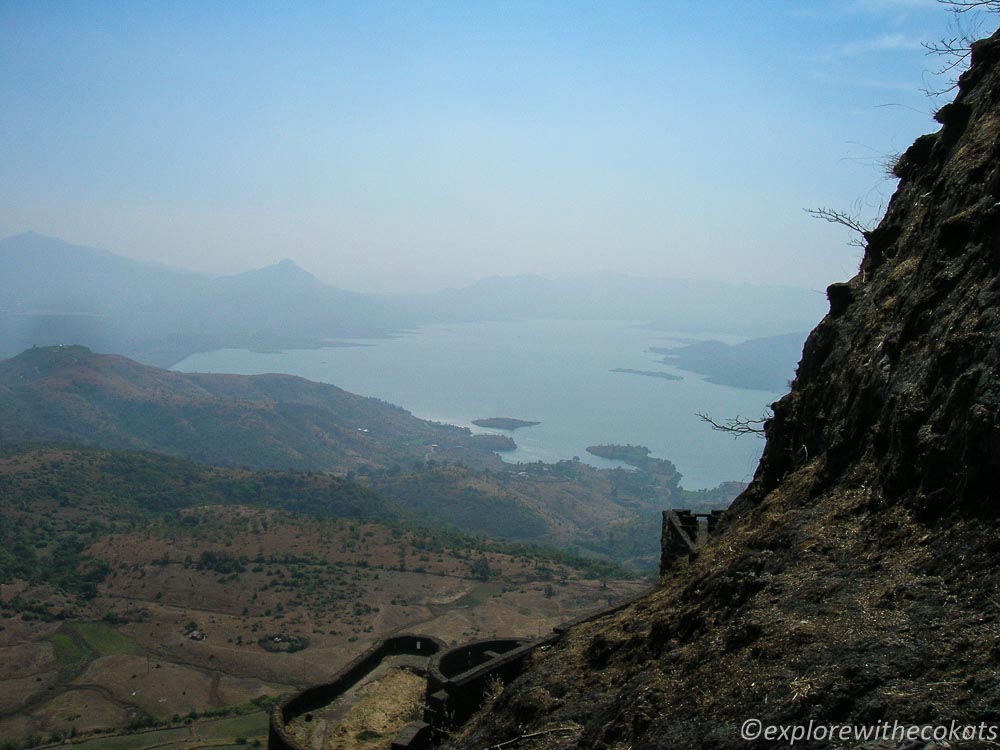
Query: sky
(402,146)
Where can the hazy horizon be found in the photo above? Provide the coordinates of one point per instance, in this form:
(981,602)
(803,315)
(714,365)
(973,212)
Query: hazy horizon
(413,147)
(567,276)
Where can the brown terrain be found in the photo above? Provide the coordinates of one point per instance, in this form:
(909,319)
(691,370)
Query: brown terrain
(375,708)
(176,630)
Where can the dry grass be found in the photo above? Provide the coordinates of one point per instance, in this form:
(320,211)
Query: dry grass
(112,678)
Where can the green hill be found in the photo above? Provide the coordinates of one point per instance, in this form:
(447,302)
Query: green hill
(438,475)
(70,394)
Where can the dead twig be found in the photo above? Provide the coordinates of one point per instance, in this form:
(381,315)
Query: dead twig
(737,426)
(531,735)
(855,224)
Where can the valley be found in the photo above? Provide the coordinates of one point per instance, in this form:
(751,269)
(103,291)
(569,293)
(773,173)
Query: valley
(422,471)
(181,623)
(178,551)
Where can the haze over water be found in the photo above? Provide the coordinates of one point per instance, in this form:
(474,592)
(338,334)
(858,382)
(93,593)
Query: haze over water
(556,372)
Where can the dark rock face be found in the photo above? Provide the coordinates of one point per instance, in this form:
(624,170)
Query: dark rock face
(840,296)
(855,580)
(905,376)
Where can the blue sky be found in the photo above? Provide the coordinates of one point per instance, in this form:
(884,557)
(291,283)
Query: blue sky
(411,145)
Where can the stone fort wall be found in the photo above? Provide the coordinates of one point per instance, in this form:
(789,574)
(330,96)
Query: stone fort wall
(318,696)
(457,678)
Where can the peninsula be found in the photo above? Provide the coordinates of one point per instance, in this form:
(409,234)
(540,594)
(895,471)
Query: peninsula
(634,455)
(649,373)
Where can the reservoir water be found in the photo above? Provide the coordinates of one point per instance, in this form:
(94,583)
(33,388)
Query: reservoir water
(557,372)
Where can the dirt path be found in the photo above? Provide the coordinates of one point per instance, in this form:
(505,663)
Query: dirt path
(213,692)
(130,708)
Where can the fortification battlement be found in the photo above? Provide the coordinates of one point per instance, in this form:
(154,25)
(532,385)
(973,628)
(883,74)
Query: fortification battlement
(458,677)
(317,696)
(684,534)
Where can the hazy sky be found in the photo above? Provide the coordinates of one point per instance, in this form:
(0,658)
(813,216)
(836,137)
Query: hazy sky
(416,145)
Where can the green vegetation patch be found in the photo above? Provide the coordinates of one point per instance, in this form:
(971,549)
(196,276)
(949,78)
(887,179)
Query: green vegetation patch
(104,640)
(283,643)
(165,739)
(75,645)
(479,595)
(250,725)
(71,652)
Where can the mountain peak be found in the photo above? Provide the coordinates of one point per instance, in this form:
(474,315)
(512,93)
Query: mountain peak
(285,272)
(288,268)
(34,239)
(40,361)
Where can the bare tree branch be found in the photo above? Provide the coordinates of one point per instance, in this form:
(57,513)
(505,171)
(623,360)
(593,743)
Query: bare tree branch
(957,49)
(570,729)
(853,223)
(963,6)
(737,426)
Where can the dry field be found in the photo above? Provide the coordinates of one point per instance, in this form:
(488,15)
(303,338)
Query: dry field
(172,642)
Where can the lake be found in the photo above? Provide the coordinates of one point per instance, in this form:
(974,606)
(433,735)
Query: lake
(556,372)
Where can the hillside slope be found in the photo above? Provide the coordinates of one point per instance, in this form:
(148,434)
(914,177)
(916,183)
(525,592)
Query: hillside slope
(444,475)
(274,421)
(139,591)
(855,582)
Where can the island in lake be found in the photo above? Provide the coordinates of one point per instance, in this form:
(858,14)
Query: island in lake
(649,373)
(503,423)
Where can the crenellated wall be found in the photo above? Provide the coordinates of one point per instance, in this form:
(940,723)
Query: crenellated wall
(684,534)
(316,697)
(457,681)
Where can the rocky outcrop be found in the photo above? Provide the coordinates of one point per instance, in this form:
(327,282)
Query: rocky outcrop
(854,581)
(902,375)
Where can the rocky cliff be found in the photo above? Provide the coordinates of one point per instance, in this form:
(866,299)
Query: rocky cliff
(856,580)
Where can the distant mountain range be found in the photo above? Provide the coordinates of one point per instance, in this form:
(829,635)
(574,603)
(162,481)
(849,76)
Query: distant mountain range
(669,304)
(53,292)
(57,293)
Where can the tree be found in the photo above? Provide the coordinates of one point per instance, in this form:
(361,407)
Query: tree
(856,225)
(480,569)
